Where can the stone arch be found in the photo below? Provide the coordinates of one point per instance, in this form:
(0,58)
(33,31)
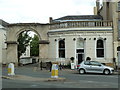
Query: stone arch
(27,29)
(12,35)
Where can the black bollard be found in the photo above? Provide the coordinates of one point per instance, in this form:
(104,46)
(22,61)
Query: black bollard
(41,65)
(50,66)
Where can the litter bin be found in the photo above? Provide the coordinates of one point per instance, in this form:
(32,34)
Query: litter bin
(11,69)
(72,66)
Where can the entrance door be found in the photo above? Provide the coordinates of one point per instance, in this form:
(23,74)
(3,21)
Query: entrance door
(80,58)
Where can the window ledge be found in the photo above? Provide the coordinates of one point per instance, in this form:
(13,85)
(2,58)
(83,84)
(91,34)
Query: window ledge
(100,58)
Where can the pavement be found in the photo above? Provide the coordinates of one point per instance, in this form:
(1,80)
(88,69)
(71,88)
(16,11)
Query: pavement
(21,74)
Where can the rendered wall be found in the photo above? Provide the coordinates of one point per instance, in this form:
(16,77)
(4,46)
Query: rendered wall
(89,47)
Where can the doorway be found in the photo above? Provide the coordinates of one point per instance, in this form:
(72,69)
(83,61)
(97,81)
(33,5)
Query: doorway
(80,57)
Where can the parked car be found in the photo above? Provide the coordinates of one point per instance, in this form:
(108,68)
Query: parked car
(94,67)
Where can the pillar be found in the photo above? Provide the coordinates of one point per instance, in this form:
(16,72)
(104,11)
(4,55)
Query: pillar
(12,55)
(43,49)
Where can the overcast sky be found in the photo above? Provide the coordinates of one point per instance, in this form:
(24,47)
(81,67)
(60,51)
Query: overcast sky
(23,11)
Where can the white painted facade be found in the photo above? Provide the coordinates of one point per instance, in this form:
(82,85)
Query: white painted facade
(70,36)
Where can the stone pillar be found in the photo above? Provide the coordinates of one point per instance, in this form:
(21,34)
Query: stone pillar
(12,52)
(43,49)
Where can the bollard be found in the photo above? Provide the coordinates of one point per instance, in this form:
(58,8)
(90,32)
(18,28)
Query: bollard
(11,69)
(54,71)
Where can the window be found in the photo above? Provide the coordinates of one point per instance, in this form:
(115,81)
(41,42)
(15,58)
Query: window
(118,6)
(87,63)
(100,49)
(80,43)
(94,63)
(61,49)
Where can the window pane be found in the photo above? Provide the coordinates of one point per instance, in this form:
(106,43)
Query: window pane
(87,63)
(118,6)
(62,49)
(100,44)
(95,63)
(100,52)
(62,53)
(61,44)
(80,50)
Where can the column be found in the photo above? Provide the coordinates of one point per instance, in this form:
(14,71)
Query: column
(12,54)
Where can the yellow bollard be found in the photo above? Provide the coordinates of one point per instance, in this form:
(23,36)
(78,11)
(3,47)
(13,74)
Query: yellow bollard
(54,73)
(9,70)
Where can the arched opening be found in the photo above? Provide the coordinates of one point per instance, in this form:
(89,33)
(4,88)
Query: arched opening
(28,47)
(61,49)
(100,49)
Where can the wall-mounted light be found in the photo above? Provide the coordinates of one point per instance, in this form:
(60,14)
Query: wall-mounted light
(89,38)
(84,38)
(74,39)
(94,38)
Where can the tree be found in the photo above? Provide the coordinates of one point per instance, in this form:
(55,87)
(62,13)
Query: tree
(34,46)
(24,40)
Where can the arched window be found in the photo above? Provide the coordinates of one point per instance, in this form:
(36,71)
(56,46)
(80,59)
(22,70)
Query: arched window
(100,48)
(61,49)
(80,43)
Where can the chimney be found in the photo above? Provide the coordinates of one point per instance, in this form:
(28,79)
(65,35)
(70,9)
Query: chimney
(50,19)
(95,11)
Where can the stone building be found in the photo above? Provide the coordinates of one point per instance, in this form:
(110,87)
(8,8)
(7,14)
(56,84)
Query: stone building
(81,37)
(77,36)
(3,36)
(110,10)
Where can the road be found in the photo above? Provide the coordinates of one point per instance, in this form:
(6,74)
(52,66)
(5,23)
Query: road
(73,79)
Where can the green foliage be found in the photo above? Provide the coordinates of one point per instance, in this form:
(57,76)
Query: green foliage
(34,46)
(23,40)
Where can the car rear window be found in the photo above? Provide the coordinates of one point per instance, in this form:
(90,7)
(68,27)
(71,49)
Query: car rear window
(87,63)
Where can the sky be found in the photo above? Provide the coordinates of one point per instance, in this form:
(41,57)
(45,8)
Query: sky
(39,11)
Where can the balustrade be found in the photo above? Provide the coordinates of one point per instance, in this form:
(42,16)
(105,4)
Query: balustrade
(76,24)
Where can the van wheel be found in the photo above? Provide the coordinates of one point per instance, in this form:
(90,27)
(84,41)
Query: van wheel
(106,72)
(81,71)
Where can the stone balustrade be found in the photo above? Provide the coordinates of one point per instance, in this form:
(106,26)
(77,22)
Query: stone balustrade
(77,24)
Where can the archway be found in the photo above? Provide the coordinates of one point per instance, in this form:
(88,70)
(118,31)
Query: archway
(12,35)
(28,47)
